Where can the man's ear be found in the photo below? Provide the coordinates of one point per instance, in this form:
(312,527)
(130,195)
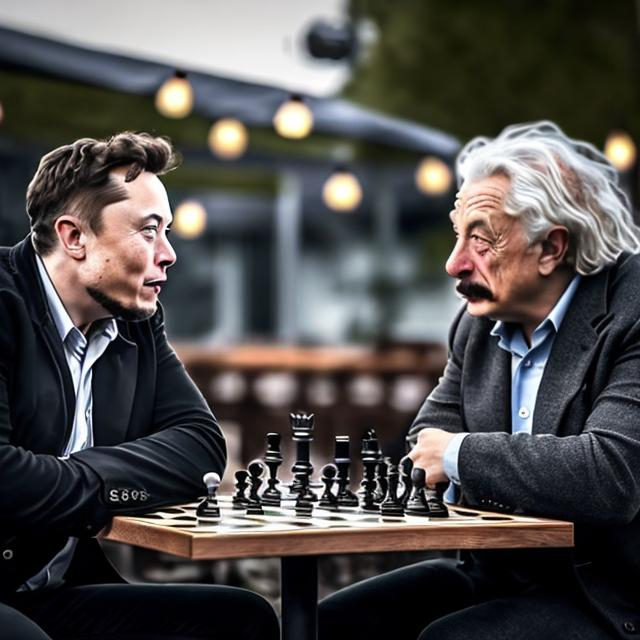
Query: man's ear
(71,236)
(555,244)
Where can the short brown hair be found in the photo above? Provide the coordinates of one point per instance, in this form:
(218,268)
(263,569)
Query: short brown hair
(77,177)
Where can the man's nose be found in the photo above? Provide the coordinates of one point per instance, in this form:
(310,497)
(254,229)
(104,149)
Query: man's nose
(459,262)
(166,256)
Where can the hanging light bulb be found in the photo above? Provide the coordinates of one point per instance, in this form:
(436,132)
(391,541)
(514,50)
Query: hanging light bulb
(293,119)
(433,176)
(620,150)
(1,113)
(174,98)
(342,191)
(190,219)
(228,138)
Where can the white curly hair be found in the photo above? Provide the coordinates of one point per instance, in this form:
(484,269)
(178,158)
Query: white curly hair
(557,181)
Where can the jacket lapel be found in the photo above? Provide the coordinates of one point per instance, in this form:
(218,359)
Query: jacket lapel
(113,388)
(488,408)
(23,263)
(572,353)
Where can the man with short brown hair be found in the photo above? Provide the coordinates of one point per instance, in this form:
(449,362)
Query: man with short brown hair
(97,414)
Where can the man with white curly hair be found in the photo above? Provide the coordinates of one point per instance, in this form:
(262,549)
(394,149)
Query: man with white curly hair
(538,410)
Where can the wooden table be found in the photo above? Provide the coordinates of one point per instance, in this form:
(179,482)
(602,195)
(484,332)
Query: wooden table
(299,542)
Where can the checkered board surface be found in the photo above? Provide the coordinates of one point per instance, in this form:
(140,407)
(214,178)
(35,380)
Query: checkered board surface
(284,518)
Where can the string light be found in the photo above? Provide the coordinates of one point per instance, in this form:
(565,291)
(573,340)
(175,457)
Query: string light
(620,150)
(228,138)
(342,191)
(293,119)
(190,219)
(174,98)
(433,176)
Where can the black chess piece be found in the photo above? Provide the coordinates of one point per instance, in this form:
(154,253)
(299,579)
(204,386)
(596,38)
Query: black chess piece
(273,459)
(406,466)
(381,480)
(435,499)
(254,504)
(302,429)
(239,500)
(418,504)
(392,507)
(369,462)
(346,497)
(328,500)
(208,510)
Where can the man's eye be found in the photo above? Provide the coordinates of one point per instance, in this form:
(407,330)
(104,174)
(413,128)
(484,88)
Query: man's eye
(151,230)
(476,238)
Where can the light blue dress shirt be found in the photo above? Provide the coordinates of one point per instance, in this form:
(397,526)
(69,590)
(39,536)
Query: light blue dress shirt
(81,354)
(527,367)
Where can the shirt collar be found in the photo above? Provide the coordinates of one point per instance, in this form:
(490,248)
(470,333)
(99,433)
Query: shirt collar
(505,330)
(59,313)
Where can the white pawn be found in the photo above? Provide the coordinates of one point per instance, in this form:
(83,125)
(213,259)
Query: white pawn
(208,510)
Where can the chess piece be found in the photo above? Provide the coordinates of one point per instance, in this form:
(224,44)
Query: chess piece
(392,507)
(435,499)
(302,429)
(208,510)
(381,480)
(346,497)
(328,500)
(406,466)
(254,504)
(418,504)
(273,459)
(239,500)
(369,463)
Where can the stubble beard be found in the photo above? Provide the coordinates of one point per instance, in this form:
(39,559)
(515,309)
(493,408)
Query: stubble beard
(118,310)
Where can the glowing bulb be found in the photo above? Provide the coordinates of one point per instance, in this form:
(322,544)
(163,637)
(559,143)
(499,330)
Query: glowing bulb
(620,150)
(228,138)
(342,191)
(433,176)
(190,219)
(174,98)
(1,113)
(293,119)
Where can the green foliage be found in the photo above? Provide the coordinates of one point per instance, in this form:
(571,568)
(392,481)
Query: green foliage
(472,67)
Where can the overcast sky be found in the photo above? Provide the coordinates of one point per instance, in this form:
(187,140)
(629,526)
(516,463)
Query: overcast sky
(256,40)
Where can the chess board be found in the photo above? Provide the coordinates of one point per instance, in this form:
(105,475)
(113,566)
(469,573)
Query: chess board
(279,532)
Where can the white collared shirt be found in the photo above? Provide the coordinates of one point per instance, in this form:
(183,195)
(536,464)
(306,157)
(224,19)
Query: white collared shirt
(81,354)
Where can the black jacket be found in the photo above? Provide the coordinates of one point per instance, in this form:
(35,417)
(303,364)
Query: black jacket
(582,461)
(154,435)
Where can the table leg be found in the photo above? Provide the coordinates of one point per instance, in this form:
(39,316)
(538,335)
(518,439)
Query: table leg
(299,593)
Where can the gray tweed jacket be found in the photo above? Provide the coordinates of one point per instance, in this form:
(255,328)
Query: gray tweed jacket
(582,461)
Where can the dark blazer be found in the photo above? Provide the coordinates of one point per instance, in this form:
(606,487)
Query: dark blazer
(582,462)
(153,432)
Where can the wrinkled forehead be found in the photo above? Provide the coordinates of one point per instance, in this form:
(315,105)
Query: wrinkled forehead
(482,197)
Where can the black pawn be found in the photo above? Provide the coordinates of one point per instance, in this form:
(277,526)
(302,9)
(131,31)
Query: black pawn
(328,500)
(406,466)
(437,507)
(273,459)
(208,510)
(254,505)
(392,506)
(239,500)
(381,480)
(418,504)
(346,497)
